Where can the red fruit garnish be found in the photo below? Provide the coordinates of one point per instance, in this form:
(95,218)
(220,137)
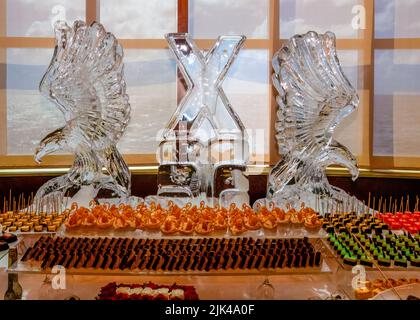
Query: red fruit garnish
(395,225)
(412,229)
(389,220)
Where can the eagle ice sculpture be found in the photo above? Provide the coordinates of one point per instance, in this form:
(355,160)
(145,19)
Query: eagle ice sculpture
(85,81)
(314,97)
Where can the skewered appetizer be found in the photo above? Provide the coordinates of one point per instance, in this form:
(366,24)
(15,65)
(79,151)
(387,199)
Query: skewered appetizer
(409,221)
(31,222)
(365,240)
(383,250)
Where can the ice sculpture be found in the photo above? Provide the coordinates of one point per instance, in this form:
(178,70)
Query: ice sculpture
(204,148)
(85,80)
(314,97)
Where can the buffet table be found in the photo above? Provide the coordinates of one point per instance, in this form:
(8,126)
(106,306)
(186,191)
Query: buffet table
(332,281)
(286,287)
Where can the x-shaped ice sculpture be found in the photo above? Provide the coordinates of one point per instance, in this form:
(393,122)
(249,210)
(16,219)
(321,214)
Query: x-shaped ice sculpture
(204,73)
(204,127)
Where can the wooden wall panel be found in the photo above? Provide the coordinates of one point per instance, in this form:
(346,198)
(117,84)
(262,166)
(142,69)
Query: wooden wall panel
(144,185)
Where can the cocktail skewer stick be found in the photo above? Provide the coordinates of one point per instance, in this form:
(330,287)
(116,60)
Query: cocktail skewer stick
(390,204)
(374,200)
(402,204)
(10,200)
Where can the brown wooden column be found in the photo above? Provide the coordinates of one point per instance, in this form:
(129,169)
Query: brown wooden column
(92,11)
(274,45)
(182,15)
(3,80)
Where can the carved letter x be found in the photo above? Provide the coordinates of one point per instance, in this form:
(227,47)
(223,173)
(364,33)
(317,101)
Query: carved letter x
(205,105)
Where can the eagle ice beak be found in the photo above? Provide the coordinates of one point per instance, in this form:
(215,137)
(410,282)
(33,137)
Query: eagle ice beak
(354,170)
(39,153)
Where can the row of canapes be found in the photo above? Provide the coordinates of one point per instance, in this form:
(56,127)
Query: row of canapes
(190,219)
(195,219)
(188,254)
(408,221)
(367,240)
(32,222)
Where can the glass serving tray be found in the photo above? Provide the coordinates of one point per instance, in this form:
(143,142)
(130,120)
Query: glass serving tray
(3,254)
(32,233)
(279,233)
(34,267)
(345,283)
(401,292)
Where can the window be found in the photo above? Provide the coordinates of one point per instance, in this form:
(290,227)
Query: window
(148,73)
(139,19)
(300,16)
(25,68)
(247,83)
(378,46)
(397,111)
(351,131)
(396,107)
(32,18)
(209,19)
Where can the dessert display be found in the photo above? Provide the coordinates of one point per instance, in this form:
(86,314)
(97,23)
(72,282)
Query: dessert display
(372,288)
(212,240)
(24,222)
(147,291)
(182,255)
(190,220)
(367,240)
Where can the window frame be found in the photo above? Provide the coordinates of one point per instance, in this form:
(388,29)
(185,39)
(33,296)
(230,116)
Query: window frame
(365,44)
